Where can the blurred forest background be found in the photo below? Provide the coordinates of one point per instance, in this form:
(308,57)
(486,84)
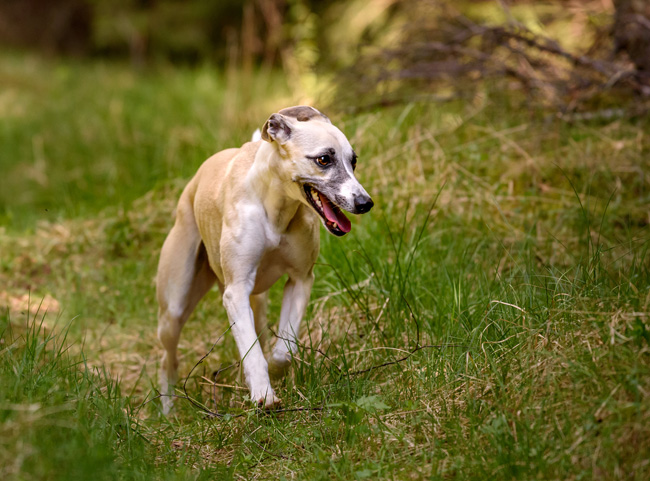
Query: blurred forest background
(230,62)
(567,49)
(241,31)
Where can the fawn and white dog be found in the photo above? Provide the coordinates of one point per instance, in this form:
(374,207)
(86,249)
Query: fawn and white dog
(247,217)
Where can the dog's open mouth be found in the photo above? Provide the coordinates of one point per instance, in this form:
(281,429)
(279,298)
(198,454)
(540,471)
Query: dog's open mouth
(333,218)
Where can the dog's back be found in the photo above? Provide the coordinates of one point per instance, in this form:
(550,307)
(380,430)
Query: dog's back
(212,173)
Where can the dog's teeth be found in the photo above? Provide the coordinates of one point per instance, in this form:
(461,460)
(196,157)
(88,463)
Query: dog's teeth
(335,225)
(316,198)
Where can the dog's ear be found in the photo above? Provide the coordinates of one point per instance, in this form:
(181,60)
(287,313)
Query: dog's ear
(277,129)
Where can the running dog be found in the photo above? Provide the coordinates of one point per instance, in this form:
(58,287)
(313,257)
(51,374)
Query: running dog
(247,217)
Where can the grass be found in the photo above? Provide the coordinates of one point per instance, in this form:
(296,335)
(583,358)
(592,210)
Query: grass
(488,319)
(60,149)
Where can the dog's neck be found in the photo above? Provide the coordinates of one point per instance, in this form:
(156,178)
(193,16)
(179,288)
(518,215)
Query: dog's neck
(267,180)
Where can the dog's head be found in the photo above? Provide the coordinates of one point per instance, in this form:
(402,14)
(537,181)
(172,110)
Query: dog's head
(320,163)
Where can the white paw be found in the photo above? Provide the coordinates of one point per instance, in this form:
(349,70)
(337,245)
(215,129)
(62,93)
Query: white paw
(166,393)
(167,404)
(265,399)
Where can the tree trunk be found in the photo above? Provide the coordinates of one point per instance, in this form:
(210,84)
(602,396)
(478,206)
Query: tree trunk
(632,31)
(53,26)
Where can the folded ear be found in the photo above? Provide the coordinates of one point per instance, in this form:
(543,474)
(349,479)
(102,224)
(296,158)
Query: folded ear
(277,129)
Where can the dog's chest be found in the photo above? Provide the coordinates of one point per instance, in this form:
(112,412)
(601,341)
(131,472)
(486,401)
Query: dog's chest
(291,254)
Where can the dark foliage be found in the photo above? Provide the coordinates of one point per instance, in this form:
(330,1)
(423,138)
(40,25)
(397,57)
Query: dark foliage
(444,53)
(186,31)
(53,26)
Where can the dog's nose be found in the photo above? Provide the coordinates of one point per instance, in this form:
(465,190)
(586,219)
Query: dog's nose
(363,204)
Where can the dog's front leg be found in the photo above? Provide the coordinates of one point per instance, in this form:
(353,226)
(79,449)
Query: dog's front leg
(294,303)
(256,372)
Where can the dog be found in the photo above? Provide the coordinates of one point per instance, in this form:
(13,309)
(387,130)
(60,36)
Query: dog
(249,216)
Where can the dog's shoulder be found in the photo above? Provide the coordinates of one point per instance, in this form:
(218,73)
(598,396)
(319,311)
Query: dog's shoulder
(217,162)
(249,149)
(242,156)
(228,163)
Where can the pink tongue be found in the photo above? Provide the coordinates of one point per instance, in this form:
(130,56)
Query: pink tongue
(335,216)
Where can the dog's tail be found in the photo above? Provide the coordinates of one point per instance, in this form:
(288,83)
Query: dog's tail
(257,135)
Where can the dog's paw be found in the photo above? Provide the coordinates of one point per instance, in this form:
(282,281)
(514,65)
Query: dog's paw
(267,400)
(167,405)
(269,405)
(166,395)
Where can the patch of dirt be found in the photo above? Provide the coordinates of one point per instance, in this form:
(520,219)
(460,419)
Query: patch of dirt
(18,305)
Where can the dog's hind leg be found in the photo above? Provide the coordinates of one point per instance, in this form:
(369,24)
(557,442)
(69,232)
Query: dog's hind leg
(184,277)
(259,305)
(294,304)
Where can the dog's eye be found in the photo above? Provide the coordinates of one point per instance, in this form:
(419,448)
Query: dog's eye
(324,160)
(354,163)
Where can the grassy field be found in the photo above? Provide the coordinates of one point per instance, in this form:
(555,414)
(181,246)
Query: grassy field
(489,319)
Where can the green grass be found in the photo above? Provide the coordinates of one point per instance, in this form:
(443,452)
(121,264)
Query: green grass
(80,136)
(506,259)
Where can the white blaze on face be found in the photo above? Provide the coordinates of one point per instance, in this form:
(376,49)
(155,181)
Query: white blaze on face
(349,185)
(350,188)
